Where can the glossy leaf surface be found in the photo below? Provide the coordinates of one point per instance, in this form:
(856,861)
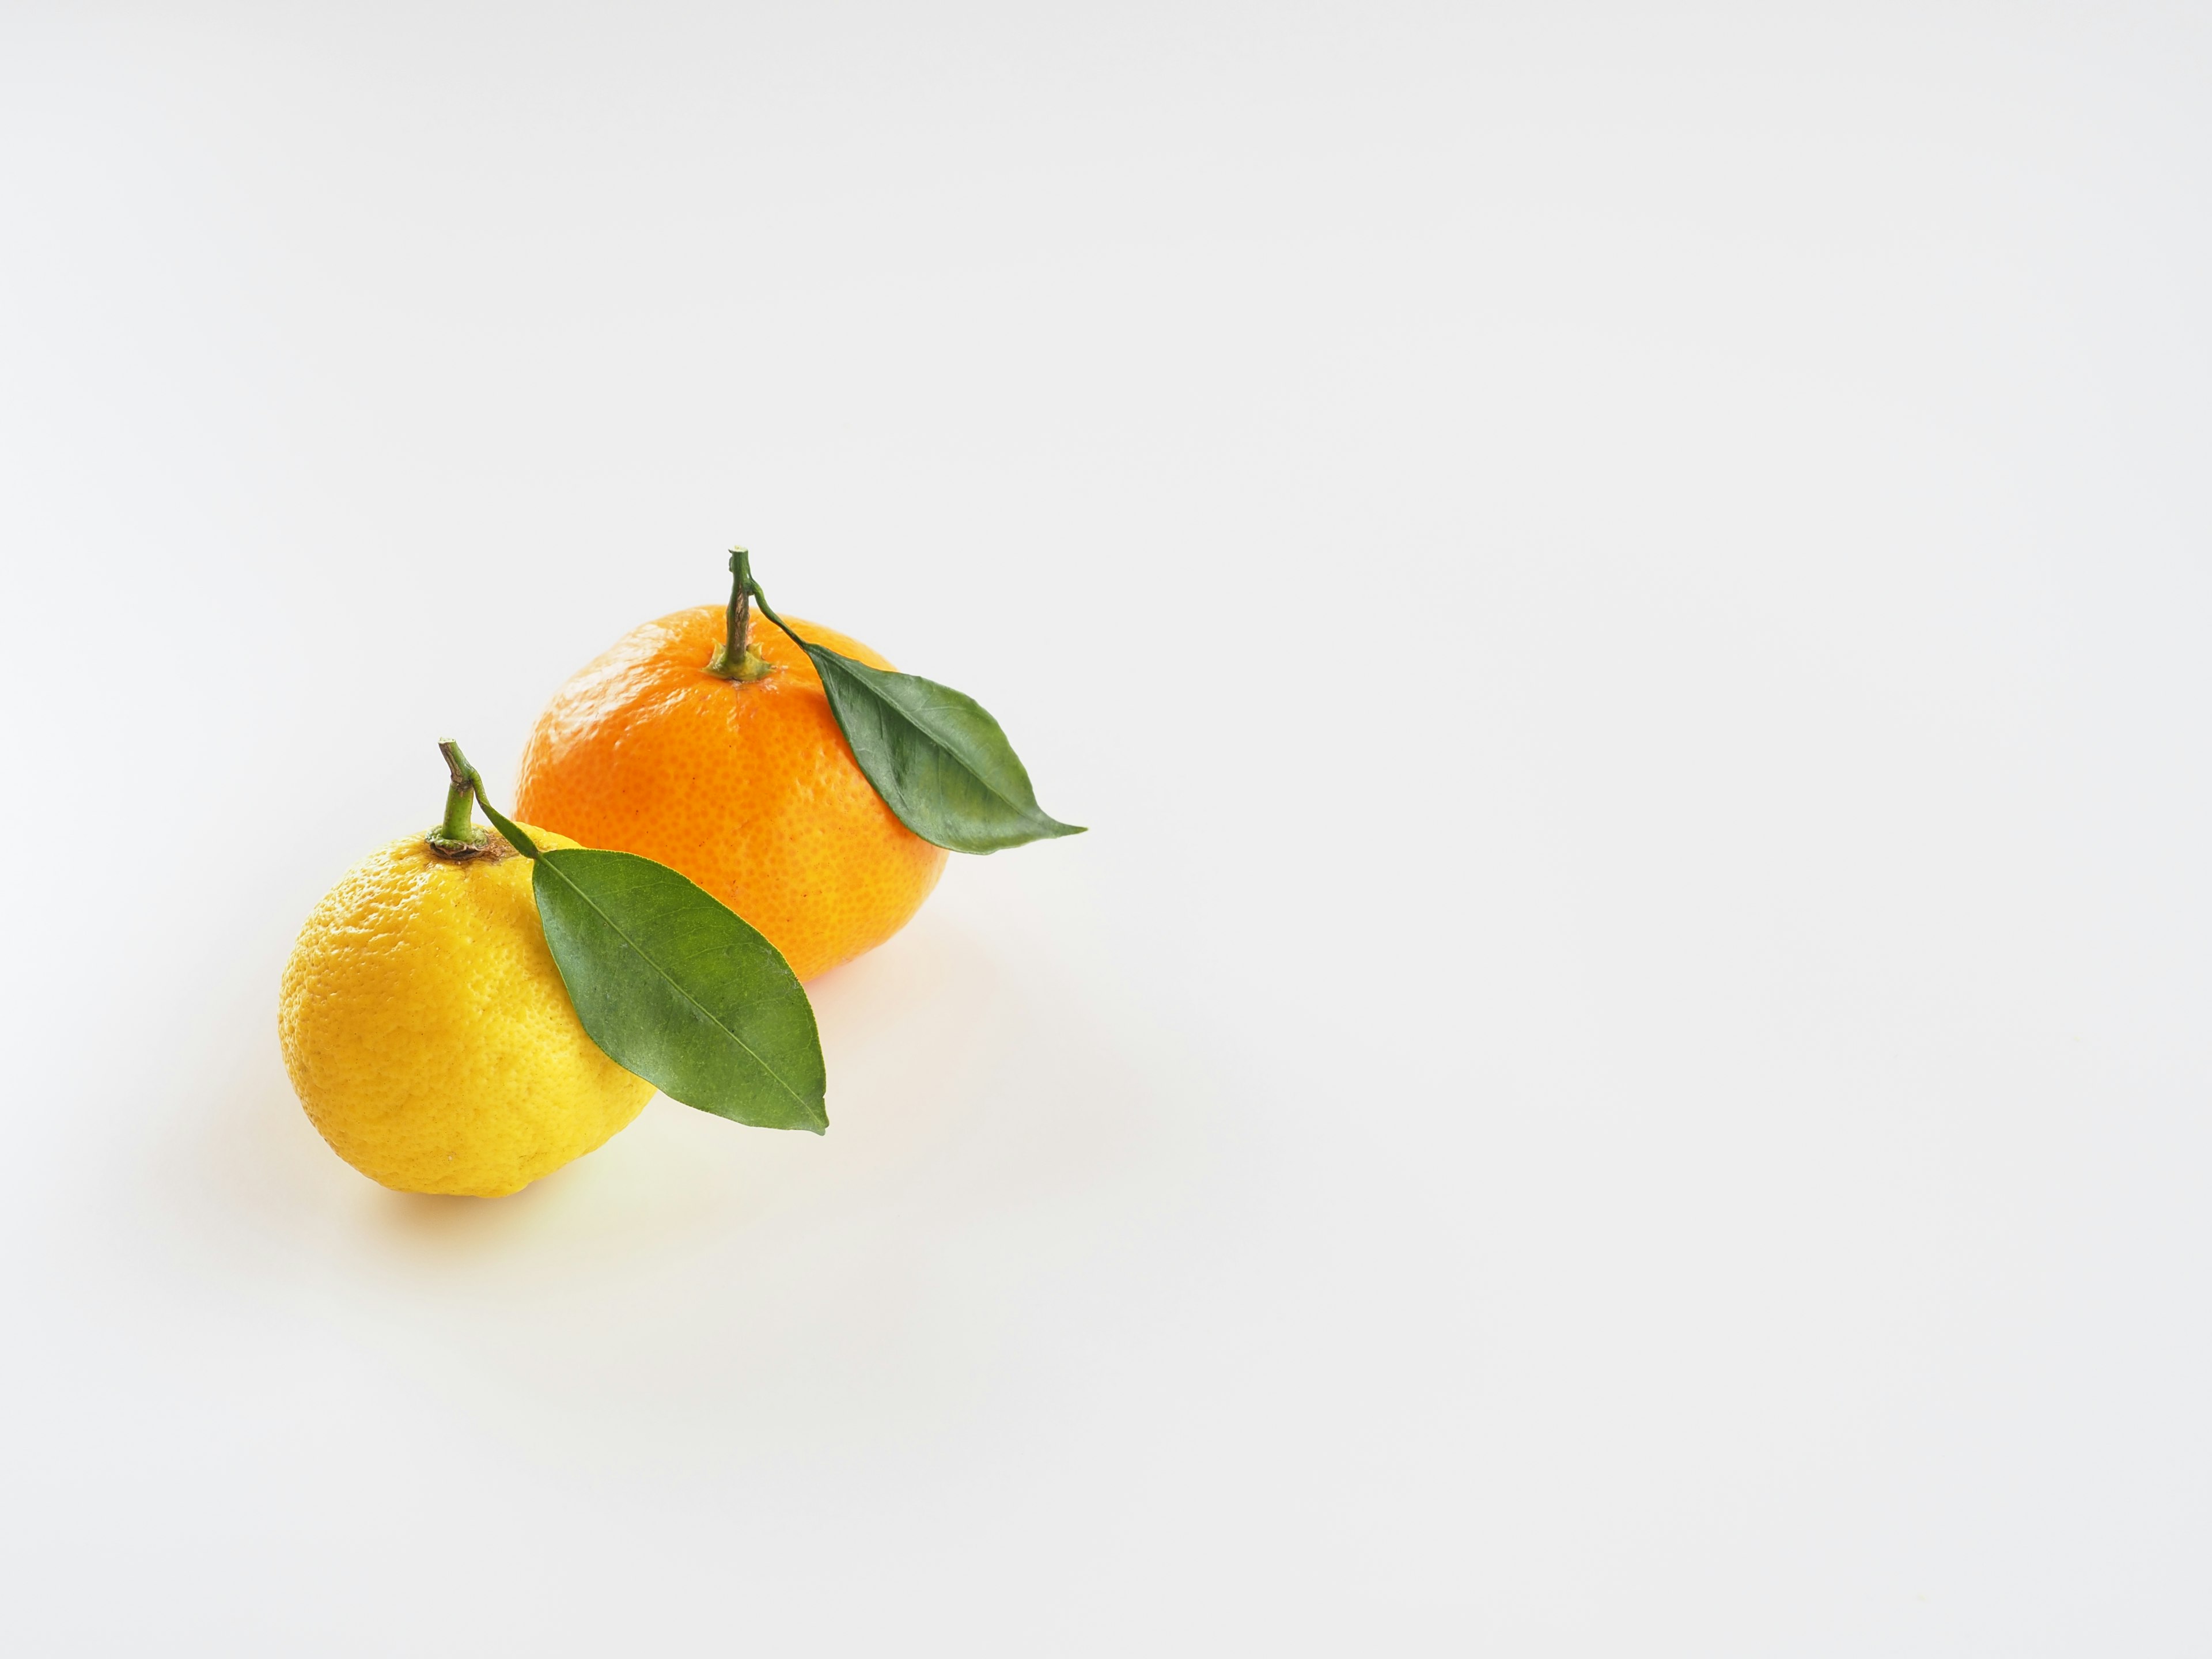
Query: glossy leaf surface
(936,756)
(678,989)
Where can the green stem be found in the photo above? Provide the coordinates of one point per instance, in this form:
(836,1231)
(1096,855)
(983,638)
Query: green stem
(458,835)
(459,838)
(735,659)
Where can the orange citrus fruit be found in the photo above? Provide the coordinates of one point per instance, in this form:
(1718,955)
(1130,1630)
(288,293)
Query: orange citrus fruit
(747,787)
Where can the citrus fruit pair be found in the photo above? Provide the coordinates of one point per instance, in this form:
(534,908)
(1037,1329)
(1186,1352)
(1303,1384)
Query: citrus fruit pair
(727,808)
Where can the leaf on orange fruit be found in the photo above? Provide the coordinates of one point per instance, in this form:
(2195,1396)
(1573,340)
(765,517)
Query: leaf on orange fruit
(935,756)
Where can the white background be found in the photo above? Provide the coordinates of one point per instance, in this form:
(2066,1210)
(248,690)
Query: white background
(1623,1069)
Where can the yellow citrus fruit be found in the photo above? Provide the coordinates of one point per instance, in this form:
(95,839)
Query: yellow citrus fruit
(427,1032)
(747,787)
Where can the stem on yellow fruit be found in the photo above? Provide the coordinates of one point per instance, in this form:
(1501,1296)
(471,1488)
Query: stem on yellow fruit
(735,659)
(458,836)
(469,841)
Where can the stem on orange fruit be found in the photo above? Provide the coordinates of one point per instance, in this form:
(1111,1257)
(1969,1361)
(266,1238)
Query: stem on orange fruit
(735,659)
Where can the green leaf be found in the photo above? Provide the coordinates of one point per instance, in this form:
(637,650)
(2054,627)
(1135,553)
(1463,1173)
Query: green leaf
(936,756)
(678,989)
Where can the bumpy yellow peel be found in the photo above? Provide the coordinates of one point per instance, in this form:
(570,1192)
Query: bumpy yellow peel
(427,1032)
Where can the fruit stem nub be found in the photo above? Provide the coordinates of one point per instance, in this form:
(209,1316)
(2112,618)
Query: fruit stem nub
(735,659)
(469,782)
(458,836)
